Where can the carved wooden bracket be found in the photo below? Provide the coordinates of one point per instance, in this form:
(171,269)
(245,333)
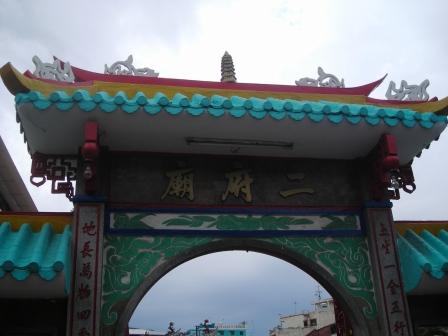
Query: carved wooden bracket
(388,177)
(59,169)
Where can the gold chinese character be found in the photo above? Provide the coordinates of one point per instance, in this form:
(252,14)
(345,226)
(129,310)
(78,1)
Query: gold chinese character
(180,184)
(296,191)
(239,181)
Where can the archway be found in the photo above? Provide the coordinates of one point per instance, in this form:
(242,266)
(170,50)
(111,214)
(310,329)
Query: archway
(341,265)
(228,288)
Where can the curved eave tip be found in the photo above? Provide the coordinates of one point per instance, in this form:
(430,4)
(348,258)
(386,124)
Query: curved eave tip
(376,84)
(11,79)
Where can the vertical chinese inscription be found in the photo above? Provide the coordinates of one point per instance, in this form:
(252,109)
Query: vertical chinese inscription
(393,292)
(87,271)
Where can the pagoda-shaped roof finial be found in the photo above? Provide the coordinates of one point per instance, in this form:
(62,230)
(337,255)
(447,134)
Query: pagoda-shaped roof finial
(227,69)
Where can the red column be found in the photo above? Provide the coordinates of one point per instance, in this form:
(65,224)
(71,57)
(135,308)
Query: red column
(343,326)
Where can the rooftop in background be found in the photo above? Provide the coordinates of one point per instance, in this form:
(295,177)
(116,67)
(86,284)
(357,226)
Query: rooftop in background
(13,194)
(145,332)
(322,303)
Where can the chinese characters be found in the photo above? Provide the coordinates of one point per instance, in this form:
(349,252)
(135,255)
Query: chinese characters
(387,262)
(296,191)
(85,268)
(239,185)
(180,184)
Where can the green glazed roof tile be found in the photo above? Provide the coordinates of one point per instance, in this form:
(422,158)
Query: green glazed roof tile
(237,107)
(422,253)
(25,252)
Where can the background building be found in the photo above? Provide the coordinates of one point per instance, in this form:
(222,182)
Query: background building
(219,329)
(305,323)
(145,332)
(13,194)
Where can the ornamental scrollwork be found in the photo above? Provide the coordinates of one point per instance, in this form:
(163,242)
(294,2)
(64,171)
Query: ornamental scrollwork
(408,92)
(324,80)
(346,259)
(60,170)
(126,68)
(54,71)
(129,260)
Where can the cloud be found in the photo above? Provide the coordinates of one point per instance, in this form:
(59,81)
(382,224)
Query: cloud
(88,34)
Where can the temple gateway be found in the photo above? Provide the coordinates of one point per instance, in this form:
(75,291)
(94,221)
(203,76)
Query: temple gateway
(164,170)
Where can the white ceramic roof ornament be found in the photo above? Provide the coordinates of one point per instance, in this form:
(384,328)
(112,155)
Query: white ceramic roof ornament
(324,80)
(408,92)
(54,71)
(126,68)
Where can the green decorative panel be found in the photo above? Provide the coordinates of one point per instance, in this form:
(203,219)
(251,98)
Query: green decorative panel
(236,222)
(128,260)
(346,259)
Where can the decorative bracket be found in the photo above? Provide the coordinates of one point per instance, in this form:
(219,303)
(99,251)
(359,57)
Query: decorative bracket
(89,152)
(59,169)
(388,176)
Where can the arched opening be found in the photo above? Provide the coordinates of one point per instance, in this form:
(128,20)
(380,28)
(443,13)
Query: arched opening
(348,303)
(230,287)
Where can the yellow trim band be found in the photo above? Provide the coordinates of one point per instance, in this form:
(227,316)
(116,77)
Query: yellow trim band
(36,221)
(418,227)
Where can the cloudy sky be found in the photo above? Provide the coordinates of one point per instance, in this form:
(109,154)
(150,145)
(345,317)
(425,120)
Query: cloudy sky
(271,42)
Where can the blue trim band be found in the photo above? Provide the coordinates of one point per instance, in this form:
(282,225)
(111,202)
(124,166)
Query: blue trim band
(89,199)
(245,210)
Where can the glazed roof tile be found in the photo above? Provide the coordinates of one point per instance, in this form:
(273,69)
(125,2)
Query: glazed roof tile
(24,252)
(235,106)
(321,123)
(422,253)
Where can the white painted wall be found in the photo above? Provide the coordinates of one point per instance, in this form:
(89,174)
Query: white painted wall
(294,325)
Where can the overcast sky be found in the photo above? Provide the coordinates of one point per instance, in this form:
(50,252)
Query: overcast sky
(271,42)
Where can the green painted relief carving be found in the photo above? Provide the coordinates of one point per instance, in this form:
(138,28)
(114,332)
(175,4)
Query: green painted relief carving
(342,222)
(160,221)
(233,222)
(129,221)
(346,259)
(128,260)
